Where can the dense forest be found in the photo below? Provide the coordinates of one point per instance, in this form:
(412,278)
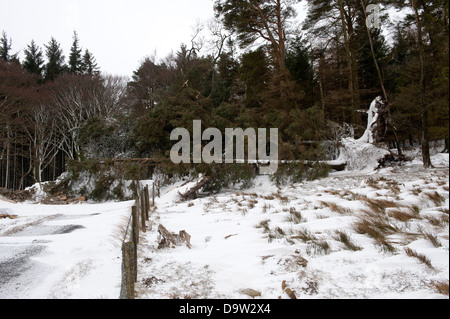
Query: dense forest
(255,68)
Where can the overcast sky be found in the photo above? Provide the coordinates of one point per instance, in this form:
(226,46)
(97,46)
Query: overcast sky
(119,33)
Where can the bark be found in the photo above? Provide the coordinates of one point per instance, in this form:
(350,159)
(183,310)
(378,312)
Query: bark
(423,106)
(350,64)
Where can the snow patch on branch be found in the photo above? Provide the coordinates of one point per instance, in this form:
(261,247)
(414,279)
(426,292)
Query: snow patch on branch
(362,154)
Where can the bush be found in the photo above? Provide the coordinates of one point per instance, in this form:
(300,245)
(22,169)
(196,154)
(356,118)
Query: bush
(296,172)
(226,175)
(98,181)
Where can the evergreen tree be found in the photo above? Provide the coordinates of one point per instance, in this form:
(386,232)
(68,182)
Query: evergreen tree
(255,75)
(75,59)
(299,64)
(265,20)
(55,65)
(5,49)
(89,64)
(33,59)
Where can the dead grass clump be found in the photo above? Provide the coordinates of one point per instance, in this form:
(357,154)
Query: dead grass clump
(344,238)
(336,208)
(440,222)
(373,183)
(304,235)
(252,203)
(295,216)
(422,258)
(318,247)
(380,222)
(401,215)
(435,197)
(379,205)
(264,224)
(377,229)
(440,286)
(433,239)
(282,198)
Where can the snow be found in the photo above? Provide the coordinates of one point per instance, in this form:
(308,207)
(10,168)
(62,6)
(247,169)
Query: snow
(372,114)
(62,252)
(230,254)
(74,252)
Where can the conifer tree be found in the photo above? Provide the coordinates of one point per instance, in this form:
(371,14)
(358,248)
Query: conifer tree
(33,59)
(75,59)
(55,65)
(5,48)
(89,65)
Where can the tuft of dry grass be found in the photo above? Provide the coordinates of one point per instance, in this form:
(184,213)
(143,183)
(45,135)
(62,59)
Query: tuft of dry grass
(379,205)
(435,197)
(282,198)
(264,224)
(431,238)
(295,216)
(336,208)
(377,228)
(344,238)
(304,235)
(318,247)
(422,258)
(401,215)
(440,286)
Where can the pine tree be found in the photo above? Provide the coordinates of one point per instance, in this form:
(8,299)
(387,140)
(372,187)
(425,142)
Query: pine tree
(5,49)
(298,62)
(55,65)
(89,64)
(75,59)
(33,59)
(265,20)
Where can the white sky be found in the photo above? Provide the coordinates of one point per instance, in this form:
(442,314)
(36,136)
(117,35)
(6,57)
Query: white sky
(119,33)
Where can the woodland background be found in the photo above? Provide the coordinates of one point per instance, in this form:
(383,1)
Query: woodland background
(251,66)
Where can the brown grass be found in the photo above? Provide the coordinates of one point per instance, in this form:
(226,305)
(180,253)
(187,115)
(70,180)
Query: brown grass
(440,286)
(295,216)
(336,208)
(401,215)
(435,197)
(376,228)
(282,198)
(422,258)
(344,238)
(379,205)
(304,235)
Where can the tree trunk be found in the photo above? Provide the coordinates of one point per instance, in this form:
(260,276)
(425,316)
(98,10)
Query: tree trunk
(423,106)
(351,85)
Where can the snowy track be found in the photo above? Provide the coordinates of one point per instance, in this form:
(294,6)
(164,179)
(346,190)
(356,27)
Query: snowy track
(61,251)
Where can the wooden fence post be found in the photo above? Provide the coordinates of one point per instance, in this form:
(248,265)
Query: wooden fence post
(128,255)
(159,189)
(143,209)
(153,194)
(135,224)
(147,202)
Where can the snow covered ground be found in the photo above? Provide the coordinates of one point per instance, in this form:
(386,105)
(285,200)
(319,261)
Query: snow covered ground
(62,252)
(308,237)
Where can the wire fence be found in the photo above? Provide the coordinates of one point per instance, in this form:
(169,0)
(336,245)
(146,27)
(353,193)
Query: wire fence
(137,223)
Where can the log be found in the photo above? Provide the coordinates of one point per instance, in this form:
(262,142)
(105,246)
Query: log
(193,192)
(171,240)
